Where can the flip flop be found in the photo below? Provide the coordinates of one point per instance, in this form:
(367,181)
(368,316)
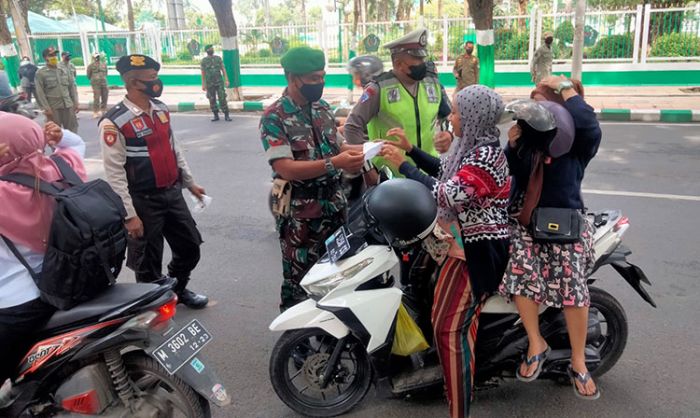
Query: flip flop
(583,378)
(540,359)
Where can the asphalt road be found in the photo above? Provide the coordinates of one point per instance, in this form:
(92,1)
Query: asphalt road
(657,375)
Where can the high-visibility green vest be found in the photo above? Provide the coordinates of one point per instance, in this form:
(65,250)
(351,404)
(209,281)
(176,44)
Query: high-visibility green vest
(399,109)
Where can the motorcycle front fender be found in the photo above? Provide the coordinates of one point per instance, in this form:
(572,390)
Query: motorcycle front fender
(307,315)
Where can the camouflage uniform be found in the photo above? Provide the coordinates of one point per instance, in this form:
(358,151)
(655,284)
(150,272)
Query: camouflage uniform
(541,63)
(466,71)
(97,74)
(318,206)
(212,68)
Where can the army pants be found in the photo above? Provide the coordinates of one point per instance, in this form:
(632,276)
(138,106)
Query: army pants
(165,215)
(303,243)
(100,94)
(64,118)
(212,92)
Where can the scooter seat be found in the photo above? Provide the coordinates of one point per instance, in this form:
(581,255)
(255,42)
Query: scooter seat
(115,297)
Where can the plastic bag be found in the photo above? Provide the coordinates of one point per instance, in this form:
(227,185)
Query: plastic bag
(408,338)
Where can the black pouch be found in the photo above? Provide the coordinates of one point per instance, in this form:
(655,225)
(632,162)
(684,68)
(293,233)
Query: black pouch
(557,225)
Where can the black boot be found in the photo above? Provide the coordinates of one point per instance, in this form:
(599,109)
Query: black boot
(216,116)
(187,297)
(227,118)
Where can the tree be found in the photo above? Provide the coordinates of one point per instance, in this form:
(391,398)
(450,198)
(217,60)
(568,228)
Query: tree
(7,50)
(403,10)
(482,13)
(229,42)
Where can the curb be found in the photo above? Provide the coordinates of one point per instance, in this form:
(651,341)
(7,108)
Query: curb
(612,115)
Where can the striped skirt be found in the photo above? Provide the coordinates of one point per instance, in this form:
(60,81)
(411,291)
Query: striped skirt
(455,319)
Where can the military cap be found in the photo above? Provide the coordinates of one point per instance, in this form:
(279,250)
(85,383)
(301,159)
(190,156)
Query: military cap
(208,46)
(48,51)
(136,62)
(303,60)
(547,35)
(65,54)
(413,43)
(95,54)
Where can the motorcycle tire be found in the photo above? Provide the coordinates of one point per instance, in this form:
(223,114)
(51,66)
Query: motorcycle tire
(294,349)
(142,369)
(613,345)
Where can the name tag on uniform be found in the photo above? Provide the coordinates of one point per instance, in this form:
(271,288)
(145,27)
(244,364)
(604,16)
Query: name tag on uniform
(432,92)
(393,95)
(140,127)
(162,116)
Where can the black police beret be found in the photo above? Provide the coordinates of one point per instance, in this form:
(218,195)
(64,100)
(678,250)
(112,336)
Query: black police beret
(136,62)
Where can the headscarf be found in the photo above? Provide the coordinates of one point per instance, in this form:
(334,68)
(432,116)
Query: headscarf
(551,96)
(480,109)
(26,214)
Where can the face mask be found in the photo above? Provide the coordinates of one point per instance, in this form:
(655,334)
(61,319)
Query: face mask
(154,88)
(418,71)
(470,50)
(312,92)
(210,52)
(52,60)
(549,41)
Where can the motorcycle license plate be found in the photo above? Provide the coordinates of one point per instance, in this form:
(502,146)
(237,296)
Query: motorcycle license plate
(182,346)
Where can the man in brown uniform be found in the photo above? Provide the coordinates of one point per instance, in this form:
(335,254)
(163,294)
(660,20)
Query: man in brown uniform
(56,93)
(466,69)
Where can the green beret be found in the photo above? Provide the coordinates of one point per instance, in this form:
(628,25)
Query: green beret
(303,60)
(207,46)
(136,62)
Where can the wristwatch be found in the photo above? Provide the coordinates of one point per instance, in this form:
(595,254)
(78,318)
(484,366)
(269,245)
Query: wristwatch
(564,85)
(330,168)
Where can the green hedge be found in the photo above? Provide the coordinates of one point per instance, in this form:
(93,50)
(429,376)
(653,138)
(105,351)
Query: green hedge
(565,32)
(676,45)
(613,46)
(515,46)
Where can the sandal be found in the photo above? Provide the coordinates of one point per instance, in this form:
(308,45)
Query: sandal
(583,379)
(540,359)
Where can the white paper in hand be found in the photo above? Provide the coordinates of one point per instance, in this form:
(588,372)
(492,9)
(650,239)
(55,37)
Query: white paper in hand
(200,205)
(371,149)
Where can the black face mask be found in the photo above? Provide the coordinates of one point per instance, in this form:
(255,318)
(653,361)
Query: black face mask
(418,72)
(470,50)
(154,88)
(210,52)
(312,92)
(549,41)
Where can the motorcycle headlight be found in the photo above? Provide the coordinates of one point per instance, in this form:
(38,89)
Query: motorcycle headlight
(325,285)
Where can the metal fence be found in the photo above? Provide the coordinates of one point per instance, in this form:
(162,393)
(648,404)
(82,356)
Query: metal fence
(632,36)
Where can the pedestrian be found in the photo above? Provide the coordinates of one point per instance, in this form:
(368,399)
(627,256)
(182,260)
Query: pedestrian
(466,69)
(67,65)
(97,74)
(56,93)
(147,169)
(541,66)
(214,78)
(409,96)
(25,221)
(27,72)
(471,186)
(549,273)
(301,144)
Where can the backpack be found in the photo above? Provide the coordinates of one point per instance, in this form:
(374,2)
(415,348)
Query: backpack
(87,239)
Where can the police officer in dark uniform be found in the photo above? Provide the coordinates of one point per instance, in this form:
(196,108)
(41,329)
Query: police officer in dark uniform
(146,167)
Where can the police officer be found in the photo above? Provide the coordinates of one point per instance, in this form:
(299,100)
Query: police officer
(409,97)
(213,78)
(56,94)
(146,168)
(466,69)
(299,136)
(97,74)
(541,66)
(67,65)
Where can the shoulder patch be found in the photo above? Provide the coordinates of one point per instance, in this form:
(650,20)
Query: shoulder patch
(369,92)
(109,134)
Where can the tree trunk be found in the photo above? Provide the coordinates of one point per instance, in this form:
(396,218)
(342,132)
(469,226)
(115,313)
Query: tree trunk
(229,42)
(7,49)
(422,7)
(466,8)
(403,10)
(20,28)
(439,9)
(522,10)
(131,23)
(482,13)
(24,8)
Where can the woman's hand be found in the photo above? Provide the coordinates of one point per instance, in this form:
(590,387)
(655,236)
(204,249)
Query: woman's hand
(4,149)
(514,133)
(552,81)
(52,134)
(392,153)
(402,140)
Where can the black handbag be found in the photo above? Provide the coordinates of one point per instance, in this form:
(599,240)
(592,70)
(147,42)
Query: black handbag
(557,225)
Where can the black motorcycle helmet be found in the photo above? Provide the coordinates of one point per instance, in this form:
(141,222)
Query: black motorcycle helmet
(366,67)
(402,210)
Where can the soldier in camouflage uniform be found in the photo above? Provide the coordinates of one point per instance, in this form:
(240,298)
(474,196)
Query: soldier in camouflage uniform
(213,83)
(542,60)
(466,69)
(97,74)
(56,94)
(301,144)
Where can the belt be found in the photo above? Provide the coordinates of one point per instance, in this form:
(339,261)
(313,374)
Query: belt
(316,193)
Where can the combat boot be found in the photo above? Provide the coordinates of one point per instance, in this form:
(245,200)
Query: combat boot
(216,116)
(227,118)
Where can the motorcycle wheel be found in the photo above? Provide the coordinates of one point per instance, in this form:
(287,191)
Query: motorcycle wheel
(298,359)
(614,331)
(151,378)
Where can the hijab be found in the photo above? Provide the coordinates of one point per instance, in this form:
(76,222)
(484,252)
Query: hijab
(480,109)
(26,214)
